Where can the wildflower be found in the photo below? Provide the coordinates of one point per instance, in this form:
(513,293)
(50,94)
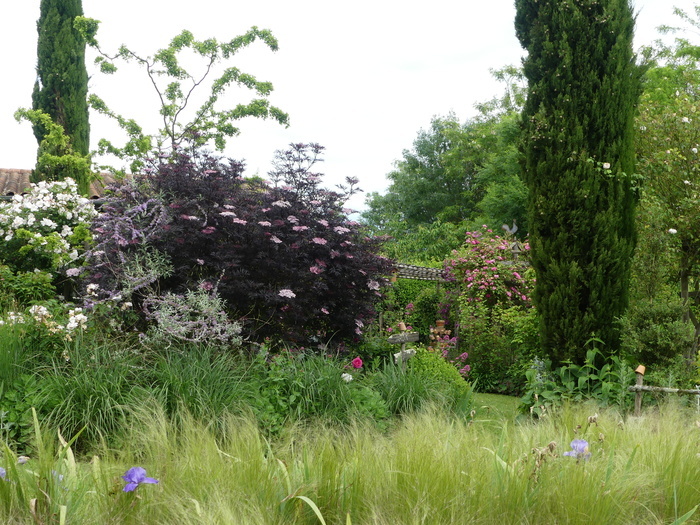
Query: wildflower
(275,239)
(227,214)
(606,165)
(200,261)
(356,363)
(672,231)
(287,293)
(316,270)
(687,182)
(240,221)
(281,204)
(3,473)
(346,377)
(373,285)
(685,119)
(579,449)
(319,240)
(264,223)
(134,477)
(211,229)
(73,272)
(325,311)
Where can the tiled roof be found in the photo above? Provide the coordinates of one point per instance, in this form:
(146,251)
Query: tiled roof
(16,182)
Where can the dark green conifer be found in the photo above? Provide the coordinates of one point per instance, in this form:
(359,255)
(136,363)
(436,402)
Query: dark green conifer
(578,162)
(61,86)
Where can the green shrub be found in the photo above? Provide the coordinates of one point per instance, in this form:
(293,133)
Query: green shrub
(501,349)
(425,310)
(16,402)
(654,333)
(604,380)
(427,379)
(299,387)
(23,288)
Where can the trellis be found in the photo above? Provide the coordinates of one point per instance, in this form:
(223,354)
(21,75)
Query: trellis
(420,273)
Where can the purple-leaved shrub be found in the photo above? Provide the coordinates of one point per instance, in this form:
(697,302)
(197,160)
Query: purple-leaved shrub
(284,255)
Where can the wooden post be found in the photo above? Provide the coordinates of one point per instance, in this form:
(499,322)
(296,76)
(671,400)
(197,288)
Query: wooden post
(638,394)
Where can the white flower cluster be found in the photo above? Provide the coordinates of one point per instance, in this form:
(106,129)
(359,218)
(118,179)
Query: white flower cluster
(46,218)
(13,318)
(77,320)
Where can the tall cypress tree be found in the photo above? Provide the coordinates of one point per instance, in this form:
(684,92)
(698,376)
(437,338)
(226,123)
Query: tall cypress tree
(578,163)
(61,86)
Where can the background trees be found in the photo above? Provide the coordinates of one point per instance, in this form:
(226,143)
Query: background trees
(663,322)
(578,161)
(455,178)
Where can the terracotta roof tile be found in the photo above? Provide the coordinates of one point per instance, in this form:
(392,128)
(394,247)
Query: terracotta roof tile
(16,182)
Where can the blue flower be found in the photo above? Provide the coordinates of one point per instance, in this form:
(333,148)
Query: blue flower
(579,449)
(134,477)
(3,473)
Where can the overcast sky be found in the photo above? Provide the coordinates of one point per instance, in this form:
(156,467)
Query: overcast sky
(360,78)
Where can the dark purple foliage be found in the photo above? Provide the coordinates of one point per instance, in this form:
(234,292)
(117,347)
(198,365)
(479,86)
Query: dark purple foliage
(251,240)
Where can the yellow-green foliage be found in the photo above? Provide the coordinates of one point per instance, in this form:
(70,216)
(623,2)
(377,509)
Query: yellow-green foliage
(433,365)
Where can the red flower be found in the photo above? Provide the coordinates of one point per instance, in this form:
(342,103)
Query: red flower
(357,363)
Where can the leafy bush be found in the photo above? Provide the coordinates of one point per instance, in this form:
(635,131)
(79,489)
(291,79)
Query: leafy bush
(23,288)
(16,402)
(424,310)
(600,379)
(284,255)
(428,378)
(653,332)
(298,387)
(45,229)
(497,322)
(432,365)
(196,317)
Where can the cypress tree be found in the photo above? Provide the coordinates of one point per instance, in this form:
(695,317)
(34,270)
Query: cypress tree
(578,164)
(61,86)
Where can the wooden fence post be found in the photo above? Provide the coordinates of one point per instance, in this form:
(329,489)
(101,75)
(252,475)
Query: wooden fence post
(638,395)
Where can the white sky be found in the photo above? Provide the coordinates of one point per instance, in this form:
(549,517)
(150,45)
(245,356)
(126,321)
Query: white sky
(360,78)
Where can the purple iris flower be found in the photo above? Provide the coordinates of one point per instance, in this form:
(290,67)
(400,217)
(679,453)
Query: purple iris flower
(134,477)
(579,449)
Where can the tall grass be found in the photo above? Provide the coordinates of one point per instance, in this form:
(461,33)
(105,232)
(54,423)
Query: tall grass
(13,354)
(433,468)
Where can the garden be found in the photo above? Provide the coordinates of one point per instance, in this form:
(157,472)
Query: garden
(205,346)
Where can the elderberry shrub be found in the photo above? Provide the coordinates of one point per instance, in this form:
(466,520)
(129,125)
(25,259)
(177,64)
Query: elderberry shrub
(283,255)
